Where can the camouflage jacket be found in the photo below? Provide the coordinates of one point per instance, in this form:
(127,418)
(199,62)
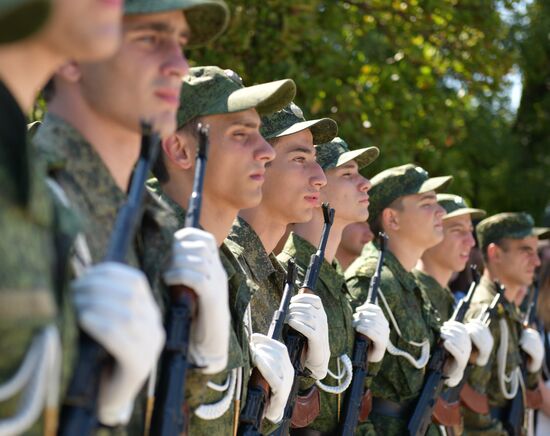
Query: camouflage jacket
(441,298)
(485,380)
(197,392)
(331,288)
(94,196)
(397,380)
(29,298)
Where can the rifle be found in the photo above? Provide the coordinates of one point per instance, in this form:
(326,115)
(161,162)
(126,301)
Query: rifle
(295,341)
(168,416)
(354,394)
(433,386)
(79,412)
(453,394)
(257,395)
(516,411)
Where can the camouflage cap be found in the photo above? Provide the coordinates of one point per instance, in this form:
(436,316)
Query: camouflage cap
(291,120)
(455,205)
(400,181)
(211,91)
(206,18)
(514,225)
(21,18)
(336,152)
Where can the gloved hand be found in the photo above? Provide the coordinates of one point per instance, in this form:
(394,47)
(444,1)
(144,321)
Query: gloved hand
(114,306)
(457,342)
(196,263)
(370,321)
(531,343)
(307,316)
(481,338)
(271,359)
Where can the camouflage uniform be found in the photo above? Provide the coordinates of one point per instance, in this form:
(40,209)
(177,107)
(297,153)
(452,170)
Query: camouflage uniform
(21,18)
(397,380)
(30,259)
(441,298)
(331,288)
(197,392)
(486,380)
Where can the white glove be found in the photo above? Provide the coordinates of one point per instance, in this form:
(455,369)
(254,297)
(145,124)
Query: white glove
(481,338)
(307,316)
(271,359)
(115,307)
(370,321)
(531,343)
(457,342)
(196,264)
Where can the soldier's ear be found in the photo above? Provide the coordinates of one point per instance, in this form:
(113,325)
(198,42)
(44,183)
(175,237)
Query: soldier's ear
(69,72)
(178,151)
(493,252)
(390,219)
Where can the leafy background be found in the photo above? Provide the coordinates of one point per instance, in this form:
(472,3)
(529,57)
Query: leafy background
(425,80)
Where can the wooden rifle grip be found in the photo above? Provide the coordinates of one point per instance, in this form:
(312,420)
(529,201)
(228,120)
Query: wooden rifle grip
(185,293)
(258,380)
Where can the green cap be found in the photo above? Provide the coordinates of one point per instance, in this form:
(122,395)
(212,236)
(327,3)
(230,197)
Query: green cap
(206,18)
(336,152)
(400,181)
(514,225)
(455,205)
(291,120)
(21,18)
(212,91)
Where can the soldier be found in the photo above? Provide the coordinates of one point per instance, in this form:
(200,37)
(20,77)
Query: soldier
(403,204)
(347,192)
(90,138)
(354,237)
(32,263)
(436,266)
(290,193)
(234,177)
(508,242)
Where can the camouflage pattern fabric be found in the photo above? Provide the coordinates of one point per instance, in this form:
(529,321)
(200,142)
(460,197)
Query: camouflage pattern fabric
(21,18)
(331,288)
(397,380)
(441,298)
(291,120)
(197,392)
(485,379)
(336,152)
(455,205)
(206,18)
(27,297)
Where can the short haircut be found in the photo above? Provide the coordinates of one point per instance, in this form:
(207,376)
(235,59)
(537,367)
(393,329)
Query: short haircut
(377,226)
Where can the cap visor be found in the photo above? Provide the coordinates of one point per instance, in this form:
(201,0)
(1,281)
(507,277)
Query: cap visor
(323,130)
(435,183)
(363,156)
(20,19)
(474,213)
(542,232)
(266,98)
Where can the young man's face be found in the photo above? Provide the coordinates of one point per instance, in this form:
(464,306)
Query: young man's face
(517,260)
(355,236)
(84,29)
(453,252)
(294,179)
(237,159)
(420,219)
(346,191)
(143,79)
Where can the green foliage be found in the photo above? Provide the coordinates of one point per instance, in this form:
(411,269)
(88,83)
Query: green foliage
(423,79)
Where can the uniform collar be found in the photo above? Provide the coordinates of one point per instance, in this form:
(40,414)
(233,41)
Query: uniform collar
(488,288)
(301,250)
(154,186)
(66,150)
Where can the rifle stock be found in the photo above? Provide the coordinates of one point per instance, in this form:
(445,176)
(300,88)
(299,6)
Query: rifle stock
(168,416)
(295,341)
(434,380)
(79,411)
(354,394)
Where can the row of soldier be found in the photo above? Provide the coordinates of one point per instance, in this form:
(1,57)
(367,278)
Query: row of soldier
(110,66)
